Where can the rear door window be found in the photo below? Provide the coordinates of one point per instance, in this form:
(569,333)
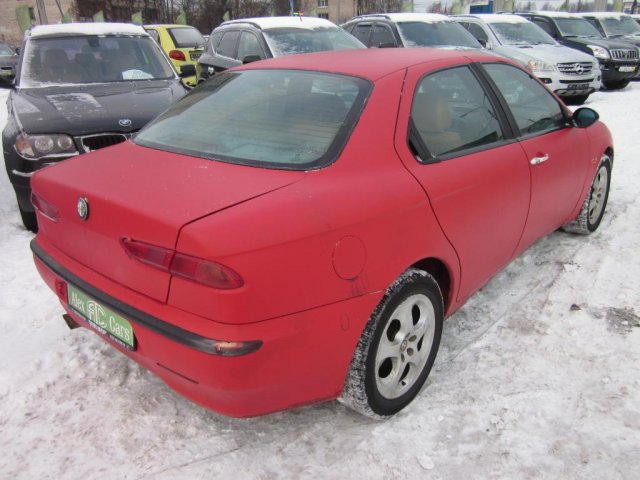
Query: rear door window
(451,112)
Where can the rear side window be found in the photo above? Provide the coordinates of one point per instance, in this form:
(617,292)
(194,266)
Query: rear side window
(186,37)
(270,118)
(534,108)
(452,112)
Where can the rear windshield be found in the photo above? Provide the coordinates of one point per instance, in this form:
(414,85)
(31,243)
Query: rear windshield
(92,59)
(187,38)
(511,33)
(577,27)
(270,118)
(290,41)
(436,34)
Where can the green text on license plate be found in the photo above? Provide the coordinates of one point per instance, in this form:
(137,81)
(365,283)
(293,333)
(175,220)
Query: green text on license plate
(102,318)
(627,69)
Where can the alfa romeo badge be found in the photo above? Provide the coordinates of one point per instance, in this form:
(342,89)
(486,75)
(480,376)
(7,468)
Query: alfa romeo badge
(83,208)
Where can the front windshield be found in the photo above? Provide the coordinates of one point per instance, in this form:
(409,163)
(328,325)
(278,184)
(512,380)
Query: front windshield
(92,59)
(291,41)
(436,34)
(577,27)
(521,34)
(620,26)
(284,119)
(5,50)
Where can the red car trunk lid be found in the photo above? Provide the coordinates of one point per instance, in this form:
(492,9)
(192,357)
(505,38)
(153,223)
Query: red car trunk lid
(143,194)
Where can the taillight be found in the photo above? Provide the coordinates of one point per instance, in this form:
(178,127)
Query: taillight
(150,254)
(47,209)
(205,272)
(177,55)
(199,270)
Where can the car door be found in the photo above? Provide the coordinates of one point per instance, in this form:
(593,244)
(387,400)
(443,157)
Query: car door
(462,151)
(557,153)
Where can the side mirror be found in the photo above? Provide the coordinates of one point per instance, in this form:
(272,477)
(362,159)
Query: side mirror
(585,117)
(482,42)
(188,70)
(251,58)
(387,45)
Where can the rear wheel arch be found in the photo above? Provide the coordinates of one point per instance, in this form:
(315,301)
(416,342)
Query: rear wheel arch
(440,272)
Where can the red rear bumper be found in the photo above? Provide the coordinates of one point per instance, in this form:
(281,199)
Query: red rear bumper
(304,357)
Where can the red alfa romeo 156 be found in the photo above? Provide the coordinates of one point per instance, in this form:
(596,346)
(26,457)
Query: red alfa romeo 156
(296,230)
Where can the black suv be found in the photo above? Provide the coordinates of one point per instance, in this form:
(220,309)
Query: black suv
(81,87)
(241,41)
(615,25)
(618,60)
(409,30)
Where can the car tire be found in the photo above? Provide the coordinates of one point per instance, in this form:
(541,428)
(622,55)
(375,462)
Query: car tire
(616,84)
(29,220)
(595,202)
(398,347)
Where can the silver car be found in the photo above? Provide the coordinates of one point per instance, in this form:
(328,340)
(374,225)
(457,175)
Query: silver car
(570,74)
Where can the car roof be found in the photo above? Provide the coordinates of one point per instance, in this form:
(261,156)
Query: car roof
(405,17)
(549,13)
(372,63)
(495,18)
(168,25)
(98,28)
(282,22)
(604,14)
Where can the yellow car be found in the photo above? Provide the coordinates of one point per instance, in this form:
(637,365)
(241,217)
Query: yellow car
(182,44)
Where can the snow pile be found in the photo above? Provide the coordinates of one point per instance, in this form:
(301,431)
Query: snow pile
(537,376)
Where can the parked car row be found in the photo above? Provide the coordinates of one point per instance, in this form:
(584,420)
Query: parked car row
(572,57)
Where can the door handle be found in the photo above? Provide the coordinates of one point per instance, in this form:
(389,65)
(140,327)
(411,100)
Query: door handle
(539,160)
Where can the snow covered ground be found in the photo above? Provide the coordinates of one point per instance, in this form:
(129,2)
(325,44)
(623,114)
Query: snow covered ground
(537,376)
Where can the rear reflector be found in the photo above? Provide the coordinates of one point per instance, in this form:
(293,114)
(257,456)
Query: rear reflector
(199,270)
(47,209)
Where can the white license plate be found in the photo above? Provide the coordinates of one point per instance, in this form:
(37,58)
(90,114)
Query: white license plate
(627,68)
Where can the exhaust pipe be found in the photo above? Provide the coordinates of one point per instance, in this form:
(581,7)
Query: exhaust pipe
(71,323)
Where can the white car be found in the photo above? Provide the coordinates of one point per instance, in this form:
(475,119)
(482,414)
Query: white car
(570,74)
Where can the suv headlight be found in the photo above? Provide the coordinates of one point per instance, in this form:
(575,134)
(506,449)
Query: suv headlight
(34,147)
(540,66)
(599,52)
